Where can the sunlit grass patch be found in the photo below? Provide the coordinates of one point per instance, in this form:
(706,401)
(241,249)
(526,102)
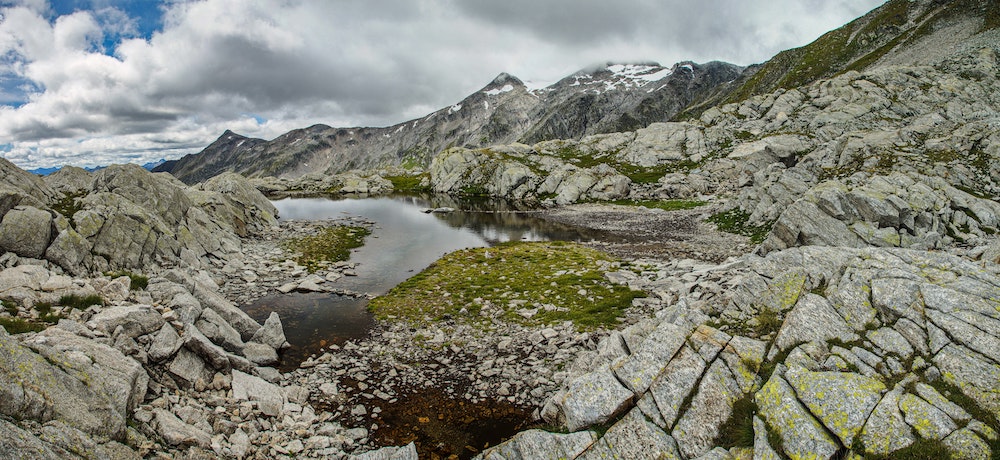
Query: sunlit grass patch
(527,283)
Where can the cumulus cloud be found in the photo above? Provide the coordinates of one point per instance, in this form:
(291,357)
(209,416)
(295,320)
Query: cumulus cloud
(90,88)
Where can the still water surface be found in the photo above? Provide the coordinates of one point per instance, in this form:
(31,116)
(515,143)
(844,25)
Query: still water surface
(405,241)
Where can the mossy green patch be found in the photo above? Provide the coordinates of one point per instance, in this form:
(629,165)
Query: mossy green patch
(331,244)
(737,221)
(526,283)
(68,206)
(412,183)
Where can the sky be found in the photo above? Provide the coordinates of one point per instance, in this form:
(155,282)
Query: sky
(95,82)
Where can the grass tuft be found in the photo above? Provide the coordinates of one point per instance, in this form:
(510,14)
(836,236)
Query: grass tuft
(737,221)
(80,302)
(737,431)
(20,326)
(138,283)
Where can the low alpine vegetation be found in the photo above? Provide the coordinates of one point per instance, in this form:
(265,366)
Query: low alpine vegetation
(527,283)
(331,244)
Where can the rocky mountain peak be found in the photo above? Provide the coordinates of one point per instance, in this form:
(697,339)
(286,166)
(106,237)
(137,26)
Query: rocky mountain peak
(505,79)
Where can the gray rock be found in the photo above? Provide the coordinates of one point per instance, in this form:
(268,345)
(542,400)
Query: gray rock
(592,399)
(260,354)
(638,370)
(136,320)
(892,342)
(165,343)
(208,297)
(213,354)
(634,437)
(61,376)
(117,290)
(928,421)
(29,277)
(407,452)
(271,333)
(269,396)
(842,401)
(711,406)
(802,436)
(189,368)
(886,431)
(240,442)
(249,212)
(26,231)
(18,443)
(812,319)
(677,380)
(178,433)
(219,331)
(540,444)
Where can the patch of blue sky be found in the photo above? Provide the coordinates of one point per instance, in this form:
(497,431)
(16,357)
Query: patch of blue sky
(259,119)
(141,18)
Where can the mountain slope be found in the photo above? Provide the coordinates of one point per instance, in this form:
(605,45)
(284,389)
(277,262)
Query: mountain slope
(900,32)
(604,99)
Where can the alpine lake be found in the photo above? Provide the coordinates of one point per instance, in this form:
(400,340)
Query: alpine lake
(406,238)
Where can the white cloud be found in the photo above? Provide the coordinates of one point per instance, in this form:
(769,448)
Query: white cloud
(354,62)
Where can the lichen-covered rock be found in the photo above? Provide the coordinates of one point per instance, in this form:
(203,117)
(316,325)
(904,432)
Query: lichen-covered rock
(18,443)
(964,444)
(634,437)
(842,401)
(711,406)
(62,376)
(592,399)
(762,449)
(638,370)
(677,380)
(802,436)
(976,377)
(886,431)
(928,421)
(812,319)
(26,231)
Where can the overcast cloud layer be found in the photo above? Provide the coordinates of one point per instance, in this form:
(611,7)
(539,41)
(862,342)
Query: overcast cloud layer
(91,87)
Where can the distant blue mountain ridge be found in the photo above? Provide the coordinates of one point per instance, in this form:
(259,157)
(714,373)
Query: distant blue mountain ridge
(46,171)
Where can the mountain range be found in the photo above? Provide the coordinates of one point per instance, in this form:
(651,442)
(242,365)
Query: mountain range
(603,99)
